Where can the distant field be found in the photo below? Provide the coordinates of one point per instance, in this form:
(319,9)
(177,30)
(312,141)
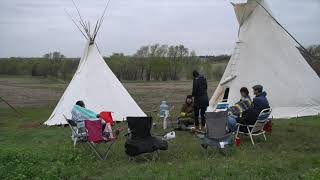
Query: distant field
(25,91)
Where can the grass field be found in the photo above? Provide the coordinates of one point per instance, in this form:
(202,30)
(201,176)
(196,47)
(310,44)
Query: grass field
(29,150)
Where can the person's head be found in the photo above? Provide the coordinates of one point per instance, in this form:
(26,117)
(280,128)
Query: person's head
(244,92)
(189,99)
(195,73)
(257,89)
(80,103)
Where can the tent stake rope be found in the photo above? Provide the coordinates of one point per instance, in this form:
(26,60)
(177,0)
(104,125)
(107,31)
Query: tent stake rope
(14,109)
(303,48)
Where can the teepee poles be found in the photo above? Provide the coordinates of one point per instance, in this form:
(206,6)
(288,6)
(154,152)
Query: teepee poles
(100,21)
(82,23)
(90,34)
(74,22)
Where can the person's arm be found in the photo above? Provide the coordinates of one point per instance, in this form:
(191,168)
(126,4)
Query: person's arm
(88,112)
(183,108)
(205,84)
(194,87)
(190,114)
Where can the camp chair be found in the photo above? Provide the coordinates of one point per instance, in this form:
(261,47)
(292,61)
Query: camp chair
(140,140)
(78,133)
(258,128)
(216,134)
(94,131)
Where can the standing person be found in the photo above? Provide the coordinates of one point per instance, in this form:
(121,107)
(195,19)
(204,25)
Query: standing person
(201,100)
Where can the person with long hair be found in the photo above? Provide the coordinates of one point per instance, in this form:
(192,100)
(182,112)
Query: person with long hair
(186,114)
(236,111)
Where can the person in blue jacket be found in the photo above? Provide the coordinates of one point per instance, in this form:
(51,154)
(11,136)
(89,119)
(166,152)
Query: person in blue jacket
(260,102)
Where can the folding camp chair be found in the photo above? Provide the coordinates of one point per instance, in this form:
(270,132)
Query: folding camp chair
(216,134)
(79,133)
(256,129)
(140,140)
(94,130)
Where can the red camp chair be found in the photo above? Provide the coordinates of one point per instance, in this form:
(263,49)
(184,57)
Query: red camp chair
(107,117)
(94,131)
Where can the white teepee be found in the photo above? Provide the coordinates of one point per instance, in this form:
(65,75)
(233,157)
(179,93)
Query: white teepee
(97,86)
(266,55)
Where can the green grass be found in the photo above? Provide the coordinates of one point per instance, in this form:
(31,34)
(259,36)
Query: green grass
(29,150)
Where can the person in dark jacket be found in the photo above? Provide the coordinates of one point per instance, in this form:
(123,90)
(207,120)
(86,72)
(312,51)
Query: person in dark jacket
(260,102)
(201,100)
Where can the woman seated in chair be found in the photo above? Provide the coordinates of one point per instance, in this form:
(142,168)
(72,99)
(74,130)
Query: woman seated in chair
(80,113)
(236,111)
(187,113)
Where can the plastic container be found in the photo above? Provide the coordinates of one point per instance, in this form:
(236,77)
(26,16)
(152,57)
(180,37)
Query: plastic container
(165,125)
(237,141)
(163,108)
(170,135)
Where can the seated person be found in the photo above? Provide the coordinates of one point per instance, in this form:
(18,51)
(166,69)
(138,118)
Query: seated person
(260,102)
(80,113)
(187,113)
(236,111)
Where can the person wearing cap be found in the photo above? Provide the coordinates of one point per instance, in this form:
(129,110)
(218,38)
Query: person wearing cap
(201,100)
(260,102)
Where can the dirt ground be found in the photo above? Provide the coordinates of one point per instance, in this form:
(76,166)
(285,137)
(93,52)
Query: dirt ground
(38,92)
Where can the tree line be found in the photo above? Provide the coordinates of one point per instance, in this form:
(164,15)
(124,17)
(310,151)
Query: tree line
(150,63)
(162,62)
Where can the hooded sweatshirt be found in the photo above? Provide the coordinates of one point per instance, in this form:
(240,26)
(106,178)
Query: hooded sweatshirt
(261,102)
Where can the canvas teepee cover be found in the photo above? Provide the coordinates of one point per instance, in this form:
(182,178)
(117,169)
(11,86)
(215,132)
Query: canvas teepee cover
(97,86)
(266,55)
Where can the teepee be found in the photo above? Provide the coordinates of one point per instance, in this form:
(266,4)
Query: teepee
(266,55)
(96,85)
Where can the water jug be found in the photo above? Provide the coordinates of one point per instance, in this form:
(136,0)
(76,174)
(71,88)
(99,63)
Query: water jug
(163,108)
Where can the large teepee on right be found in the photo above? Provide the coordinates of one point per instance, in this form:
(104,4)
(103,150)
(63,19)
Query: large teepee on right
(266,55)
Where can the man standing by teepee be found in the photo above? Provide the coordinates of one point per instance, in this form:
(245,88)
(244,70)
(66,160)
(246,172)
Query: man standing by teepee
(201,101)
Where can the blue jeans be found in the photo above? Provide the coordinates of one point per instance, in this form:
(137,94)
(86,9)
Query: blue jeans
(232,124)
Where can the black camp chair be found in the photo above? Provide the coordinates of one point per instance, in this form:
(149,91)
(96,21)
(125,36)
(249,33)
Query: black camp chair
(216,134)
(140,140)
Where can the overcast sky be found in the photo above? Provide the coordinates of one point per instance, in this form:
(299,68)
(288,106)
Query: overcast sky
(35,27)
